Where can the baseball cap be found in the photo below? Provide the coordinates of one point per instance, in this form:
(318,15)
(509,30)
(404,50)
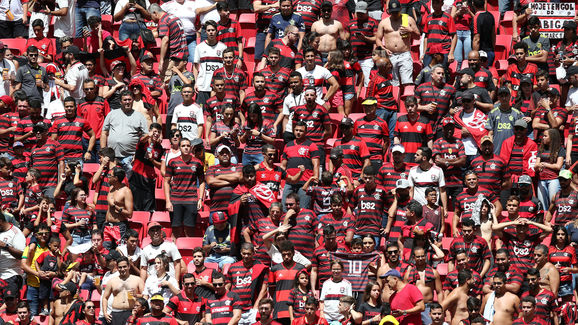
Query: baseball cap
(336,153)
(369,101)
(346,121)
(11,293)
(521,123)
(8,101)
(402,183)
(486,138)
(569,24)
(398,148)
(17,144)
(565,173)
(112,255)
(393,272)
(525,179)
(147,55)
(483,54)
(526,80)
(73,49)
(389,319)
(157,297)
(196,142)
(70,287)
(447,121)
(394,6)
(503,90)
(468,71)
(222,147)
(51,69)
(361,6)
(553,92)
(154,224)
(219,217)
(116,63)
(467,96)
(40,126)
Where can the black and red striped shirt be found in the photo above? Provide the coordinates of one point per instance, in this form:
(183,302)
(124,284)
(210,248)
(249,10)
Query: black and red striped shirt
(221,308)
(184,176)
(373,133)
(172,27)
(484,78)
(521,252)
(562,258)
(214,106)
(309,11)
(289,56)
(439,29)
(46,158)
(491,173)
(546,302)
(317,119)
(388,174)
(303,231)
(141,164)
(541,112)
(368,208)
(269,104)
(235,81)
(8,120)
(152,80)
(573,131)
(221,197)
(355,151)
(69,134)
(102,189)
(271,177)
(477,251)
(10,191)
(20,168)
(513,275)
(514,75)
(164,319)
(94,112)
(264,18)
(229,34)
(451,282)
(519,159)
(414,276)
(284,279)
(467,200)
(381,88)
(342,225)
(247,282)
(277,82)
(321,197)
(74,215)
(322,259)
(362,49)
(429,93)
(448,150)
(24,126)
(413,134)
(566,207)
(260,228)
(400,219)
(301,154)
(297,300)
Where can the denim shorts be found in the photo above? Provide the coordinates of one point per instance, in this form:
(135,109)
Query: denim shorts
(565,289)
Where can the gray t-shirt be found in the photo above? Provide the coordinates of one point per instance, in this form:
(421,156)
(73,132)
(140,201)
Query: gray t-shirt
(542,43)
(175,87)
(124,131)
(502,123)
(27,75)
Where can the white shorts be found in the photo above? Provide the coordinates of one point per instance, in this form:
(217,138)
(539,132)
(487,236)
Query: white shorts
(249,317)
(402,68)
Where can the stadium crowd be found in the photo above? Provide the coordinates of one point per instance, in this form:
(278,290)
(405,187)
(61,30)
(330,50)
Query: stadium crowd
(289,162)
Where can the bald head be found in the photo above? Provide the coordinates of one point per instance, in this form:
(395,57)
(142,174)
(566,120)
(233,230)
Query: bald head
(474,60)
(383,65)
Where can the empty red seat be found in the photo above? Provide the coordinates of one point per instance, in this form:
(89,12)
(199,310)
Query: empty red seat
(503,46)
(506,24)
(188,243)
(18,44)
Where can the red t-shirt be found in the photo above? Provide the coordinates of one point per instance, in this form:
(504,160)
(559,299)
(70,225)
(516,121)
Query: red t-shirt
(45,46)
(406,299)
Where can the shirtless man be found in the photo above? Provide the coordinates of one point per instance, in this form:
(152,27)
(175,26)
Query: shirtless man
(549,275)
(451,282)
(456,301)
(395,35)
(329,30)
(500,306)
(393,262)
(120,207)
(427,279)
(124,288)
(60,306)
(546,301)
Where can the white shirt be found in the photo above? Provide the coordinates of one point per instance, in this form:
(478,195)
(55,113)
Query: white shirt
(129,15)
(75,76)
(8,73)
(211,15)
(124,251)
(55,109)
(185,12)
(188,119)
(470,145)
(336,290)
(315,77)
(572,97)
(64,25)
(150,252)
(209,59)
(289,104)
(153,286)
(421,180)
(9,266)
(277,258)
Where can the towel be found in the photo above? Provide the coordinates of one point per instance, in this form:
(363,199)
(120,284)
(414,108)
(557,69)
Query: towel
(489,308)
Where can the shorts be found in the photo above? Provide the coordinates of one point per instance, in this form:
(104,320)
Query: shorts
(249,317)
(184,215)
(120,317)
(348,96)
(565,289)
(44,289)
(337,99)
(402,68)
(114,231)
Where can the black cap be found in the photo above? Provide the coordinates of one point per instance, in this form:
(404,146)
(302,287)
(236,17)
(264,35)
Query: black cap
(553,92)
(503,90)
(70,287)
(526,80)
(394,6)
(467,96)
(569,24)
(346,121)
(327,4)
(73,49)
(11,293)
(468,71)
(573,69)
(112,255)
(40,127)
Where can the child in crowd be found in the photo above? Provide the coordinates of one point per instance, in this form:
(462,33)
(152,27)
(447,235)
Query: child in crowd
(20,162)
(432,212)
(48,263)
(32,197)
(321,193)
(298,296)
(46,50)
(357,245)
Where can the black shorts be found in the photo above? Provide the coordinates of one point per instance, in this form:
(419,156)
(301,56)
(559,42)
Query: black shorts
(44,289)
(184,215)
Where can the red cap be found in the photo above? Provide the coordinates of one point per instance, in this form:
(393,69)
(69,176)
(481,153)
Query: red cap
(153,224)
(8,101)
(51,69)
(448,120)
(219,217)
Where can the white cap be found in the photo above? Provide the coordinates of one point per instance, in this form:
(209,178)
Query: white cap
(402,183)
(398,148)
(221,147)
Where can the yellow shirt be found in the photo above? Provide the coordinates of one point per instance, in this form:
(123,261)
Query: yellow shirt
(32,280)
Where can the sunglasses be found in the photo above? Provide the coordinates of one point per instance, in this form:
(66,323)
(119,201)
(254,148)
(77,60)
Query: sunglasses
(89,307)
(271,155)
(32,55)
(189,284)
(87,89)
(218,284)
(392,252)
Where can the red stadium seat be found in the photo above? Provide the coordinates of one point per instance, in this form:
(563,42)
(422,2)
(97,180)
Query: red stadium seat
(188,243)
(247,19)
(107,22)
(41,320)
(496,15)
(18,44)
(446,242)
(214,266)
(503,46)
(506,24)
(442,269)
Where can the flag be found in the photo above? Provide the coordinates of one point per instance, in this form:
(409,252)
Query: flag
(477,127)
(356,267)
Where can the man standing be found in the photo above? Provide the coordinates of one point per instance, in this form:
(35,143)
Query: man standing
(436,98)
(32,78)
(188,116)
(521,68)
(528,315)
(317,119)
(374,130)
(456,300)
(492,172)
(148,76)
(120,208)
(329,30)
(425,175)
(482,76)
(565,201)
(12,244)
(546,301)
(450,156)
(354,149)
(225,307)
(439,28)
(147,157)
(462,263)
(48,157)
(281,20)
(479,255)
(363,29)
(305,224)
(368,206)
(281,277)
(288,57)
(538,44)
(158,246)
(481,97)
(518,151)
(122,130)
(320,263)
(267,100)
(466,201)
(93,109)
(501,120)
(276,75)
(208,58)
(514,275)
(69,129)
(500,306)
(406,301)
(236,80)
(75,75)
(412,130)
(123,289)
(549,275)
(395,34)
(390,172)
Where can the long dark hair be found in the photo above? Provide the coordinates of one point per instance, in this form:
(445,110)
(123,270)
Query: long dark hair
(367,292)
(555,230)
(254,109)
(554,146)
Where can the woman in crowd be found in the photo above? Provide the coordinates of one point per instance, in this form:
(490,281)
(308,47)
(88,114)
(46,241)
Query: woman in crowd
(174,150)
(370,309)
(161,281)
(255,134)
(226,131)
(550,160)
(79,218)
(563,256)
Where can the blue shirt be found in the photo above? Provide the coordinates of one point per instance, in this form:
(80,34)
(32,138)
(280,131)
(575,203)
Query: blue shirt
(279,23)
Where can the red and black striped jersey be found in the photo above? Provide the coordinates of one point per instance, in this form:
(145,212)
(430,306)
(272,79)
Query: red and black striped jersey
(260,228)
(414,276)
(206,275)
(284,280)
(277,82)
(546,302)
(427,93)
(264,18)
(563,258)
(102,189)
(322,259)
(568,313)
(573,131)
(269,103)
(69,134)
(381,88)
(46,158)
(164,319)
(449,150)
(467,200)
(521,252)
(321,197)
(32,197)
(94,112)
(74,214)
(184,176)
(235,81)
(413,134)
(317,119)
(355,151)
(221,197)
(271,177)
(373,133)
(141,164)
(255,143)
(20,165)
(297,300)
(541,112)
(388,174)
(566,207)
(342,226)
(477,251)
(368,208)
(152,81)
(362,49)
(513,275)
(247,282)
(534,321)
(99,80)
(484,78)
(520,159)
(352,70)
(301,154)
(8,120)
(214,106)
(531,209)
(491,173)
(451,282)
(309,11)
(171,26)
(303,231)
(439,29)
(24,126)
(400,219)
(356,267)
(10,191)
(230,34)
(289,56)
(221,308)
(514,75)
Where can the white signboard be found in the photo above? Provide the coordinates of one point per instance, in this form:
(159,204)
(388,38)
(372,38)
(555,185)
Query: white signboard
(553,16)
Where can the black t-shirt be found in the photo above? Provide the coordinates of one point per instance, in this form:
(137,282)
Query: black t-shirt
(369,312)
(480,94)
(485,26)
